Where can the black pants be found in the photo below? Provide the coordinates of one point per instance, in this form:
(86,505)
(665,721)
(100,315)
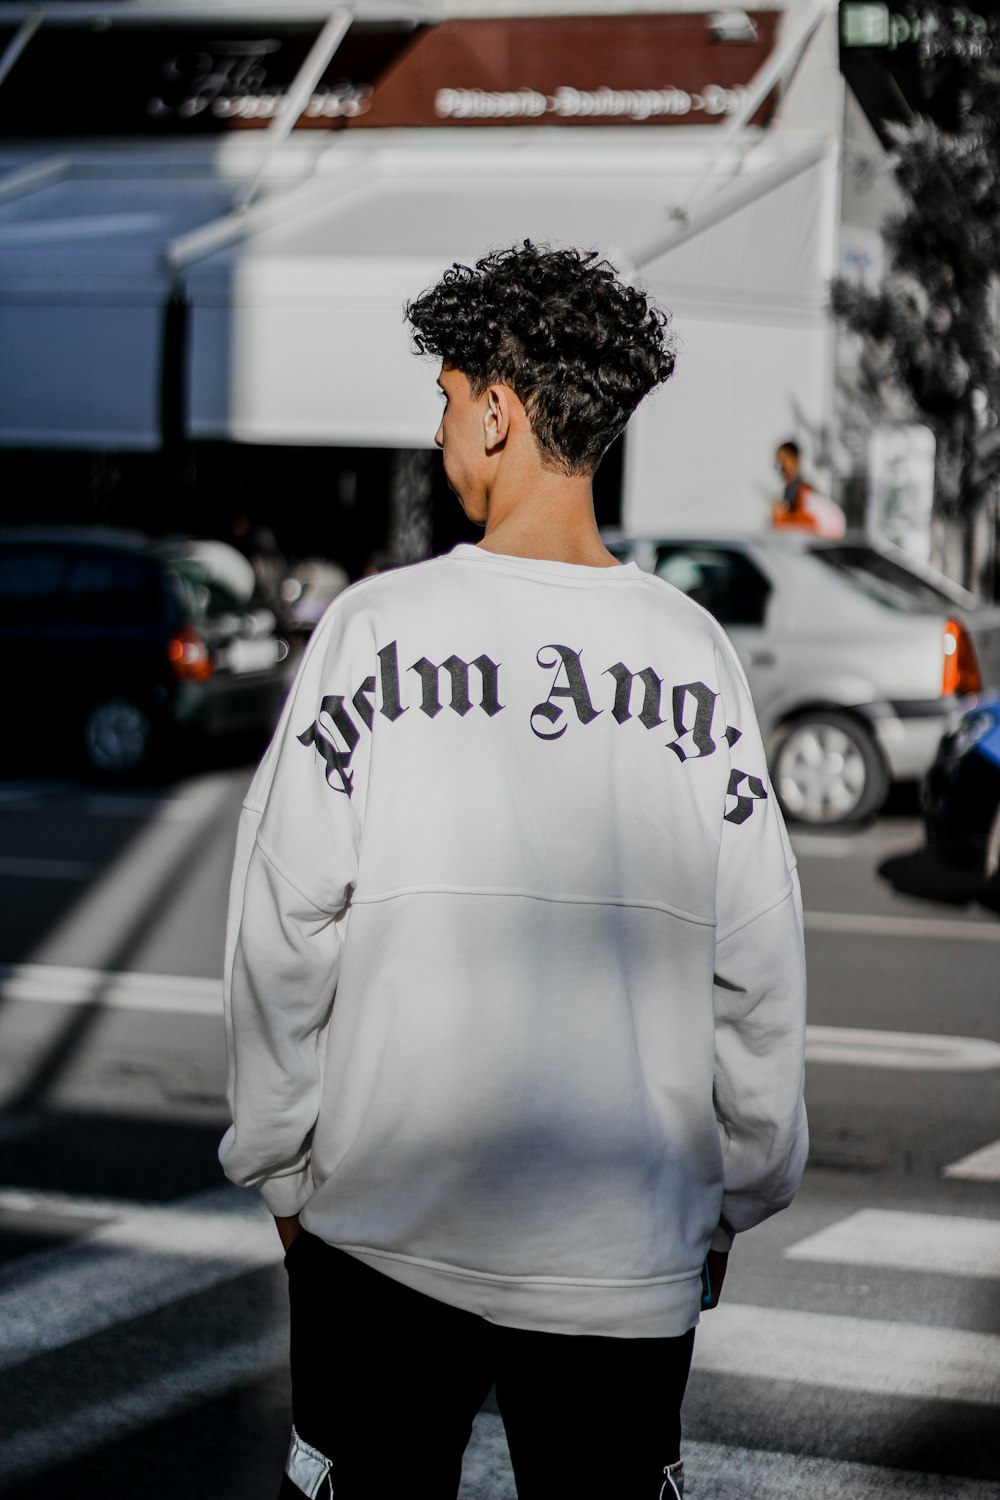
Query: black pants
(386,1383)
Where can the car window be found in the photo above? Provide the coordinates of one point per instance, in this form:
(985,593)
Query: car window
(211,577)
(205,595)
(884,579)
(722,579)
(34,584)
(115,588)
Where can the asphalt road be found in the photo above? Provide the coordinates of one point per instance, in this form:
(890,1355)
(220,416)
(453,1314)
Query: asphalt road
(857,1350)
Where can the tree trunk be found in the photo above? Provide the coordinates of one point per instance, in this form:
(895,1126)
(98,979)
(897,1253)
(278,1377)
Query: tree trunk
(410,517)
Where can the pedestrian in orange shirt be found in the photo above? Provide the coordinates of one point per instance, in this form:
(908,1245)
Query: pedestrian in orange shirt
(800,508)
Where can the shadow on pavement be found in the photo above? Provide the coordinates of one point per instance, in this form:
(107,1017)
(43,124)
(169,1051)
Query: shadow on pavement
(923,873)
(107,1159)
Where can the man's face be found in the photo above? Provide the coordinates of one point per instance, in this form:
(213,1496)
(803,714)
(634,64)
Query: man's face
(461,438)
(788,464)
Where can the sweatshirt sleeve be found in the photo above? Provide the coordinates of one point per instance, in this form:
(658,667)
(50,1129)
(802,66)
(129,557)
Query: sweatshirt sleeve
(760,983)
(293,875)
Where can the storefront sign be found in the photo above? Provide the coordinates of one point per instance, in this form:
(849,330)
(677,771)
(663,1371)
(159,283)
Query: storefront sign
(864,24)
(883,52)
(901,487)
(562,71)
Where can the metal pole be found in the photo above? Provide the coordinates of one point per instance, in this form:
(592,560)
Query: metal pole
(240,223)
(743,191)
(298,96)
(19,41)
(764,80)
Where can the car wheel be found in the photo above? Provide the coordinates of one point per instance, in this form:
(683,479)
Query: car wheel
(117,737)
(828,770)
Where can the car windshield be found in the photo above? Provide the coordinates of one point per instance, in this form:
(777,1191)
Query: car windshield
(214,579)
(884,579)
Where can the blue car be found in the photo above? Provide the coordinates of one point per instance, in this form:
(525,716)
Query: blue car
(961,793)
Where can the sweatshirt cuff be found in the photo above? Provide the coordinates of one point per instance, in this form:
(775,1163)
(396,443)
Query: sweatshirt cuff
(722,1239)
(288,1194)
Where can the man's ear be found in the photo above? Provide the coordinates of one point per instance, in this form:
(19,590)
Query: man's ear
(496,417)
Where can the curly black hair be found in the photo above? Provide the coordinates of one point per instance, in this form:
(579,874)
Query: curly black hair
(578,347)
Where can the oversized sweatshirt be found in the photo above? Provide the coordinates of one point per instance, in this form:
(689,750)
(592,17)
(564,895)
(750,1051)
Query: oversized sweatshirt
(515,991)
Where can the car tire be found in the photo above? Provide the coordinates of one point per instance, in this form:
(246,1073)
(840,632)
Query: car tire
(118,737)
(827,770)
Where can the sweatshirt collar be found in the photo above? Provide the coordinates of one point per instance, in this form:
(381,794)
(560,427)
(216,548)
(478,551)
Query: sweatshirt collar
(534,567)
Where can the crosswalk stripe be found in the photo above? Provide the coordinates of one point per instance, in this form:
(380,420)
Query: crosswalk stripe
(979,1166)
(905,1051)
(948,1246)
(823,846)
(144,1260)
(850,1354)
(62,1205)
(184,995)
(58,984)
(870,924)
(738,1473)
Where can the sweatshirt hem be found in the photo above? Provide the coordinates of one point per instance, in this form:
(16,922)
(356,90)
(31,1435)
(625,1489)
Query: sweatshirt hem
(656,1307)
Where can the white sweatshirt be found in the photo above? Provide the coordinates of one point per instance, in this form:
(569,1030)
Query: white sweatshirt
(515,988)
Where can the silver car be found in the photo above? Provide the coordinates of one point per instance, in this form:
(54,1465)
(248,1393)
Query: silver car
(858,659)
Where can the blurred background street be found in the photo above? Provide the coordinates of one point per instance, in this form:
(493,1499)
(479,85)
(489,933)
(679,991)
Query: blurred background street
(857,1350)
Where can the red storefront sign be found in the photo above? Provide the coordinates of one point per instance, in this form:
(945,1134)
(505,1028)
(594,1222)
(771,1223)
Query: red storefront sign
(602,70)
(195,79)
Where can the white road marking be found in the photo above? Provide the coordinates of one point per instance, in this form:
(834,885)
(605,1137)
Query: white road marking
(850,1354)
(63,1205)
(943,929)
(713,1469)
(14,866)
(56,984)
(815,846)
(109,1418)
(150,1256)
(183,995)
(907,1242)
(980,1166)
(906,1051)
(144,876)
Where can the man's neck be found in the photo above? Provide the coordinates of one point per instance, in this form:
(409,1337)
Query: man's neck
(550,517)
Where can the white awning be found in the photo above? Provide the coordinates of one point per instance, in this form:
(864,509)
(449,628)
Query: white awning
(297,334)
(83,293)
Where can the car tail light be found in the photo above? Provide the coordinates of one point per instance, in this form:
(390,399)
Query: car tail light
(189,656)
(961,669)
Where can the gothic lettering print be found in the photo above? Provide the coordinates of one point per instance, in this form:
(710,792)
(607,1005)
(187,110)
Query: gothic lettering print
(324,735)
(567,663)
(651,699)
(458,671)
(744,803)
(362,701)
(694,739)
(388,659)
(335,734)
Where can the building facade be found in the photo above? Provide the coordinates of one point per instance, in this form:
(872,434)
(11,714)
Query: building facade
(211,216)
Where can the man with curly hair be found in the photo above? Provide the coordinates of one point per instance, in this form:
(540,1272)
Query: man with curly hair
(514,978)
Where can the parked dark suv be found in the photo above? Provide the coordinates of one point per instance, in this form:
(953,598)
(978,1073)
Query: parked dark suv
(112,643)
